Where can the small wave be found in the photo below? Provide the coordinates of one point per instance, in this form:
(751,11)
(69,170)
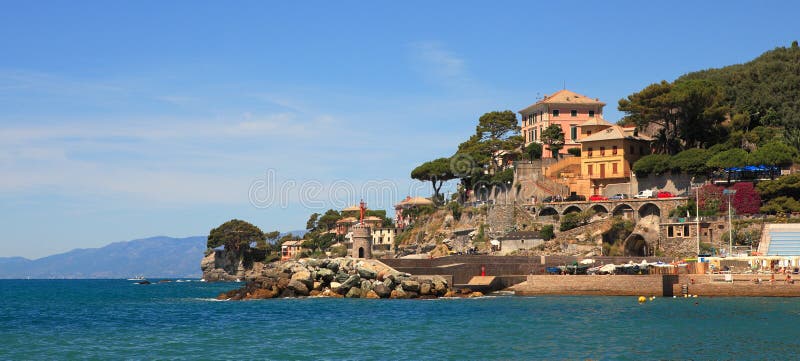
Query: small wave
(209,299)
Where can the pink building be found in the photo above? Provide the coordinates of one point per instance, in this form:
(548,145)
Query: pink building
(565,108)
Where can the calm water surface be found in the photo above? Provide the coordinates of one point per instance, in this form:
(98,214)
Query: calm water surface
(115,319)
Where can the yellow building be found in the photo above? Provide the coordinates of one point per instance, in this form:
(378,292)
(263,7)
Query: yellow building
(608,153)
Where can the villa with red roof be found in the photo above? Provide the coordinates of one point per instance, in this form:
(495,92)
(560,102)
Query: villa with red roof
(568,109)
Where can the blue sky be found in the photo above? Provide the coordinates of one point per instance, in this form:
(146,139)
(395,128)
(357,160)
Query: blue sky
(125,120)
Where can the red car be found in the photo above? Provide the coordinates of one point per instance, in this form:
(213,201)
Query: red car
(598,197)
(664,194)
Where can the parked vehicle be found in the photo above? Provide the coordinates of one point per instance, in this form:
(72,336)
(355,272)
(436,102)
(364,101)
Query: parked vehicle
(550,199)
(618,197)
(575,198)
(598,197)
(665,194)
(647,193)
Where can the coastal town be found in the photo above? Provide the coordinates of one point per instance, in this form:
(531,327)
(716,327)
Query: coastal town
(556,189)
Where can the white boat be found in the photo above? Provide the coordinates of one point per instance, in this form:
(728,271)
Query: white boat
(137,278)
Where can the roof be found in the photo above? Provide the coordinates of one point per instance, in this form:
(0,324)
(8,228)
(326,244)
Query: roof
(416,201)
(347,220)
(373,218)
(565,96)
(353,208)
(614,132)
(292,243)
(596,121)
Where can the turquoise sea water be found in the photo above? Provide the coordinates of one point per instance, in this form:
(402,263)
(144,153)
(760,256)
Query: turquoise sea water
(114,319)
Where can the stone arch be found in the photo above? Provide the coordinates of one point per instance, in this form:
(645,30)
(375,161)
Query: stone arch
(548,211)
(360,252)
(649,209)
(623,210)
(599,209)
(572,209)
(636,246)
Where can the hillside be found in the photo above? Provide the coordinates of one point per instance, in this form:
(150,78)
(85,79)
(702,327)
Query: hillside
(766,88)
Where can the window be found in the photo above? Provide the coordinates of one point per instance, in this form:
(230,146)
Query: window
(590,152)
(614,151)
(534,134)
(573,113)
(555,112)
(614,167)
(591,114)
(573,132)
(602,151)
(686,230)
(670,232)
(589,167)
(588,132)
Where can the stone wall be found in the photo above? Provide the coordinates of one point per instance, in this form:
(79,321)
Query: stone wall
(678,184)
(605,285)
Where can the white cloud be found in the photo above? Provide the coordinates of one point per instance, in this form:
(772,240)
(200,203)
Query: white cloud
(439,65)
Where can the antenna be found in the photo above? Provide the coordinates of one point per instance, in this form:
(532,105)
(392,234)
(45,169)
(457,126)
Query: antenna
(565,85)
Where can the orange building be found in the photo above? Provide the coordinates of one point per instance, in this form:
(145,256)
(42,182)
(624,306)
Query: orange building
(567,109)
(608,153)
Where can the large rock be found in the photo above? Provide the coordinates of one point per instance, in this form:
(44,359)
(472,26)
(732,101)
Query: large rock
(367,273)
(305,277)
(425,288)
(341,277)
(398,293)
(439,285)
(352,281)
(325,275)
(381,290)
(372,294)
(335,286)
(354,292)
(298,287)
(333,266)
(389,283)
(410,286)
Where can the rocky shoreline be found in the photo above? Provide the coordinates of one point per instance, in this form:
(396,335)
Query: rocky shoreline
(340,277)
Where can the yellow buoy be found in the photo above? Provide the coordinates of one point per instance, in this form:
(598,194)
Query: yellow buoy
(642,299)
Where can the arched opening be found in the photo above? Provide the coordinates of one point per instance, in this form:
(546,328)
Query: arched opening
(599,210)
(649,209)
(623,210)
(360,252)
(572,209)
(548,211)
(636,246)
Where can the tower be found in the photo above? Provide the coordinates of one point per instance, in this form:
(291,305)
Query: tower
(362,237)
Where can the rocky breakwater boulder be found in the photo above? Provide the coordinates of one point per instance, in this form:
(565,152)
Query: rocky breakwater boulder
(338,277)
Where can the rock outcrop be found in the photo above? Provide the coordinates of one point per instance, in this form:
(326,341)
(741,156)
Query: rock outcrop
(339,277)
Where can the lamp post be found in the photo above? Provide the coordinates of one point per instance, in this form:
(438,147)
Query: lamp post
(697,212)
(730,192)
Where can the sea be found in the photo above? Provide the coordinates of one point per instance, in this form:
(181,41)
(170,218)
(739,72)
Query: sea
(117,319)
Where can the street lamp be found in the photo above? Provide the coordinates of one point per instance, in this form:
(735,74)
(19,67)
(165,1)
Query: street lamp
(730,192)
(697,212)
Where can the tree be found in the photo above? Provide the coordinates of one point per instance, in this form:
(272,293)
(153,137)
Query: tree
(236,235)
(728,159)
(691,161)
(553,136)
(311,224)
(320,242)
(651,164)
(497,125)
(328,220)
(785,186)
(712,200)
(547,232)
(774,153)
(687,113)
(781,204)
(746,199)
(436,171)
(534,151)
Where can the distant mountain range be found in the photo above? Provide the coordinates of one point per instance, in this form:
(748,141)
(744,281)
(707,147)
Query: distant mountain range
(155,257)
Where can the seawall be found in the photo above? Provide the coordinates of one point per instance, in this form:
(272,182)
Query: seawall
(657,285)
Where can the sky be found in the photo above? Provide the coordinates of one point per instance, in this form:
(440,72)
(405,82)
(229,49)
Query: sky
(129,119)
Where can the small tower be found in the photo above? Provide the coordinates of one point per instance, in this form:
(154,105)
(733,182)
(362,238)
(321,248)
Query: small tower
(362,237)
